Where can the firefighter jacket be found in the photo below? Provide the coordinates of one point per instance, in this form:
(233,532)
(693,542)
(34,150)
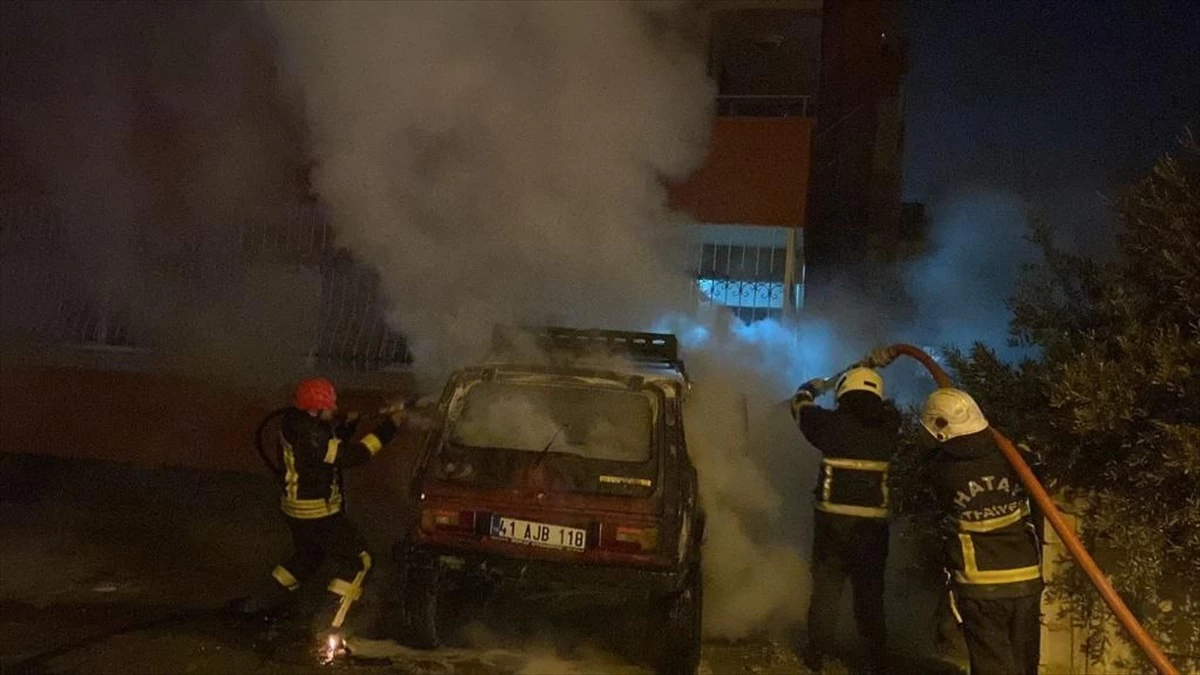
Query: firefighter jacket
(857,440)
(993,551)
(314,453)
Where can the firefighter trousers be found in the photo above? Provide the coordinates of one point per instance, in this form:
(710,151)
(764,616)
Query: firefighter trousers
(847,546)
(1002,634)
(316,540)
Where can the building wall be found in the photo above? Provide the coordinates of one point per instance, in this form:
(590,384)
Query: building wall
(838,65)
(854,215)
(770,49)
(312,302)
(756,172)
(1062,644)
(152,419)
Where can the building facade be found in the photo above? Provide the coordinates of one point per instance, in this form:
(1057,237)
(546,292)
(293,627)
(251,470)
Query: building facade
(801,181)
(808,140)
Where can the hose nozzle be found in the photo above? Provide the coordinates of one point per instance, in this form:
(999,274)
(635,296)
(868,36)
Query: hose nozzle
(880,357)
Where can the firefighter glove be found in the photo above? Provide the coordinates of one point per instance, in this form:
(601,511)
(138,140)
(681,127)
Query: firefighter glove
(814,387)
(881,357)
(398,413)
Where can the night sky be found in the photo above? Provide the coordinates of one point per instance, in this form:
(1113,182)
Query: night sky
(1057,101)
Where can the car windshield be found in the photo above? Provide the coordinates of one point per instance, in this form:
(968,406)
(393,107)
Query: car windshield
(589,422)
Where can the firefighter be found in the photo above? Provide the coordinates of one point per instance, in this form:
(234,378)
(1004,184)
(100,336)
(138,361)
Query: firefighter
(993,554)
(315,450)
(856,440)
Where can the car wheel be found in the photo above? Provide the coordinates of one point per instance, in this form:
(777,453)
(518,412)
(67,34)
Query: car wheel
(420,595)
(391,609)
(682,635)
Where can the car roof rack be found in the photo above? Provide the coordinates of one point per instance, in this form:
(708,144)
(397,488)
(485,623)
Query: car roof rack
(659,348)
(652,350)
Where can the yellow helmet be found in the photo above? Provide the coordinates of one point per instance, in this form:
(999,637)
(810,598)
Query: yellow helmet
(860,379)
(950,413)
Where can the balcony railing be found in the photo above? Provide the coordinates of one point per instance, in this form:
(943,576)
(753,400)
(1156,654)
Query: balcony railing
(754,105)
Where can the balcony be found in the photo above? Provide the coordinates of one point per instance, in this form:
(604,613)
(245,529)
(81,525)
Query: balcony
(756,171)
(748,105)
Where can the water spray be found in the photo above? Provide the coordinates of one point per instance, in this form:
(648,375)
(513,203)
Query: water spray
(1144,641)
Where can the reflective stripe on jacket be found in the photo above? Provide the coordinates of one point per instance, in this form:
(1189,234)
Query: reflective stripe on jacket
(314,452)
(869,502)
(856,442)
(995,550)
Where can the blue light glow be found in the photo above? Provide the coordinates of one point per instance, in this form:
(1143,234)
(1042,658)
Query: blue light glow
(732,293)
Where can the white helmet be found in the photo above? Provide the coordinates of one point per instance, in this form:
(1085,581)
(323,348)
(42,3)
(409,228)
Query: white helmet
(950,413)
(860,379)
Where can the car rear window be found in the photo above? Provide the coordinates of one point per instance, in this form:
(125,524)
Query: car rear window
(590,422)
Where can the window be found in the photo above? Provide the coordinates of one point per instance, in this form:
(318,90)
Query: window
(590,422)
(750,300)
(745,268)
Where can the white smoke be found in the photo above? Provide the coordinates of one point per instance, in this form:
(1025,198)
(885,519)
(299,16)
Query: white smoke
(504,162)
(753,581)
(960,287)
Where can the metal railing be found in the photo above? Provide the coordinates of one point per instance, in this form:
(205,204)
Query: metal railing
(767,105)
(743,267)
(353,333)
(56,309)
(746,268)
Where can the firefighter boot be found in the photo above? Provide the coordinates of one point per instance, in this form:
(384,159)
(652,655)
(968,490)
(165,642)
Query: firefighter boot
(268,598)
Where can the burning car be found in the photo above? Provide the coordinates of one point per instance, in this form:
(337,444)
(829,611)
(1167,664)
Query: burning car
(565,469)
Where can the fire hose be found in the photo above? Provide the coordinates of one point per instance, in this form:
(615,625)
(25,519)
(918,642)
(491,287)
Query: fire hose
(260,442)
(1126,618)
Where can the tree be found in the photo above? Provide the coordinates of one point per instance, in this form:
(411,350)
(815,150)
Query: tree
(1111,402)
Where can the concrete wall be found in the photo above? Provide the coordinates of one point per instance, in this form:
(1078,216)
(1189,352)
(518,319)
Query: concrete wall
(1062,643)
(152,419)
(756,173)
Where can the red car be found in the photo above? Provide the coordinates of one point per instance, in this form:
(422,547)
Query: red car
(568,468)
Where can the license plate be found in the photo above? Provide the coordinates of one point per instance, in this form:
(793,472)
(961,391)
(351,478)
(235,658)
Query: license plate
(538,534)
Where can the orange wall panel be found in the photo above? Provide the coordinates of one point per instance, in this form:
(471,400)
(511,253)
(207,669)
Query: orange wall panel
(157,420)
(756,173)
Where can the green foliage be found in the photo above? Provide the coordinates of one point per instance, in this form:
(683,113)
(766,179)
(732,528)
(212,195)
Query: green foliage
(1111,404)
(910,482)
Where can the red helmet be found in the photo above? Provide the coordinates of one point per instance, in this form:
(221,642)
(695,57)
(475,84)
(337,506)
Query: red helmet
(316,393)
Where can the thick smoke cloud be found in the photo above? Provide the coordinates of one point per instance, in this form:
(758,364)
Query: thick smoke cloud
(505,163)
(496,163)
(961,285)
(753,581)
(502,162)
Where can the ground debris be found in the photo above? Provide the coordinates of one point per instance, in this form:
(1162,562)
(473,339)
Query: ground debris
(531,660)
(759,656)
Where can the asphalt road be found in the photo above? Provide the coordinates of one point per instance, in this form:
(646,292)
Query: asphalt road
(111,568)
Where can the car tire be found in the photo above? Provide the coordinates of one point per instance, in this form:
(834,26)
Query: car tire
(390,621)
(682,629)
(420,597)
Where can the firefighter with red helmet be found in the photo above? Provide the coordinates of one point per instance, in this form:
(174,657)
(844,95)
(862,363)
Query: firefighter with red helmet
(314,449)
(993,552)
(856,441)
